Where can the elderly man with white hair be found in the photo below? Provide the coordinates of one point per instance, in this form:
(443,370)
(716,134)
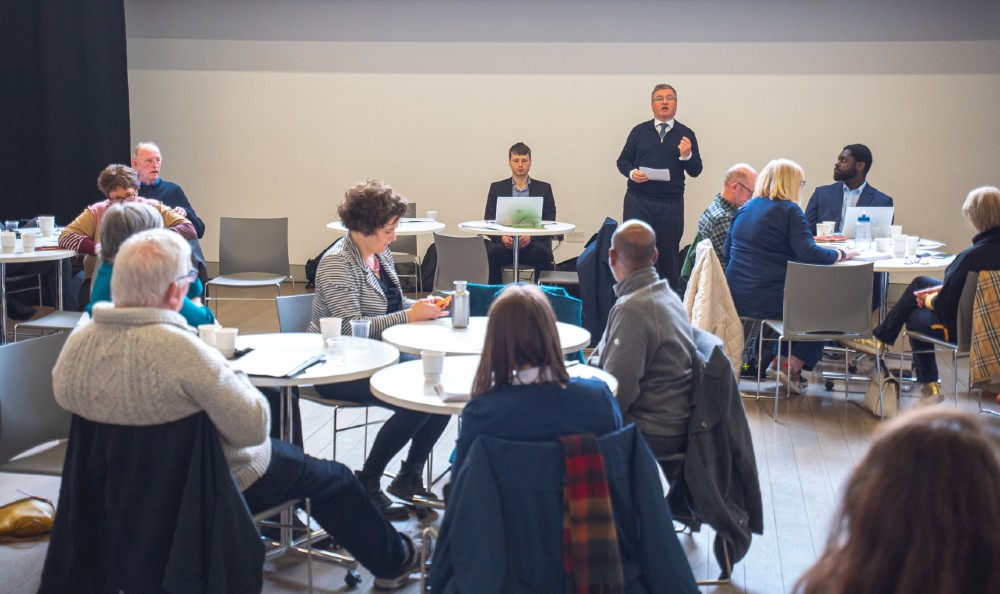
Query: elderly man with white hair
(141,340)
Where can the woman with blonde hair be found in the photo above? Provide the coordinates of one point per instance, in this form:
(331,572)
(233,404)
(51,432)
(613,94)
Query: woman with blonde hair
(920,513)
(768,232)
(930,306)
(522,390)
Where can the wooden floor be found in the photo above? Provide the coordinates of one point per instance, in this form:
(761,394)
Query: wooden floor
(803,460)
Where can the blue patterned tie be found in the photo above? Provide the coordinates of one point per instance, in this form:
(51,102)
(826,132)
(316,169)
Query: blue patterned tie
(663,131)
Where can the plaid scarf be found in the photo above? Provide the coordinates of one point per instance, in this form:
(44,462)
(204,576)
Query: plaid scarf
(590,541)
(984,356)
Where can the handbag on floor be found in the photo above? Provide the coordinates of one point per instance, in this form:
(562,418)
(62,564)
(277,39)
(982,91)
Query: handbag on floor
(890,397)
(26,518)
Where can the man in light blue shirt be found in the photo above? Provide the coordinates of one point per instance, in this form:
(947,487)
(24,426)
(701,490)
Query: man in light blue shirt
(850,172)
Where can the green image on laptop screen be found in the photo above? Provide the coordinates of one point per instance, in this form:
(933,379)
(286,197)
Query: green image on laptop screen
(520,211)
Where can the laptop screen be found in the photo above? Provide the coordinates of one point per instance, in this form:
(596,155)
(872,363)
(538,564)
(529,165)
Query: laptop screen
(519,211)
(881,220)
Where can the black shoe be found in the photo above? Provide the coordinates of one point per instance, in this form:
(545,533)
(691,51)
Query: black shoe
(18,311)
(409,484)
(391,511)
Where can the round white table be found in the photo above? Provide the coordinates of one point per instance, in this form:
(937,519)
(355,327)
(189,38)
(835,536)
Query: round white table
(909,265)
(407,226)
(485,227)
(439,335)
(404,385)
(19,257)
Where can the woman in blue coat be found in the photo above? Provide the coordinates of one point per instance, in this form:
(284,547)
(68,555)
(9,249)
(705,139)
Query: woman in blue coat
(767,233)
(522,390)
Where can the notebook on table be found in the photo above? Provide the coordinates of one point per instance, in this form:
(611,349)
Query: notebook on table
(520,211)
(881,220)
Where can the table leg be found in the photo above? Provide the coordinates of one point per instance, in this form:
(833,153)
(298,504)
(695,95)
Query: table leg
(883,306)
(3,302)
(59,298)
(517,244)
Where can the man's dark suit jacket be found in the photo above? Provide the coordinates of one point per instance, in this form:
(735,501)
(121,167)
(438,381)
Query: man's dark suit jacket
(827,202)
(537,187)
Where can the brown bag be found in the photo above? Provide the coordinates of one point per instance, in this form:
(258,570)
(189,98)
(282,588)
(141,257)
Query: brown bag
(26,519)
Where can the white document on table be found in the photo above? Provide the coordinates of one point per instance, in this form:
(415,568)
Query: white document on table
(272,363)
(656,174)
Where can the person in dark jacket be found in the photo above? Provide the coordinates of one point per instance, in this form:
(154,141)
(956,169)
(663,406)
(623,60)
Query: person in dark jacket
(929,305)
(767,233)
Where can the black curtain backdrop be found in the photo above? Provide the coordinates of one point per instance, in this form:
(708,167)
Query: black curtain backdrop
(65,114)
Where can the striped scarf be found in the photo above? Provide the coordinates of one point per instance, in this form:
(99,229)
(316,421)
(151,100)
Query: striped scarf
(590,542)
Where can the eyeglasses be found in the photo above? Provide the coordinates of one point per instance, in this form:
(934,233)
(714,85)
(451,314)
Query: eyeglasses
(189,276)
(745,188)
(128,197)
(803,184)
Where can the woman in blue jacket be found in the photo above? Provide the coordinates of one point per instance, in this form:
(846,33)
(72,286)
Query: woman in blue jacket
(522,390)
(768,232)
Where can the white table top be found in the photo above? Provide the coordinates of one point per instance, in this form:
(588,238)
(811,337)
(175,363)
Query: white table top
(407,226)
(362,357)
(485,227)
(439,335)
(913,265)
(404,384)
(19,257)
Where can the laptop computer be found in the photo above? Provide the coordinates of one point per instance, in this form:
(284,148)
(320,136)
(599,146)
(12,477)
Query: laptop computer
(519,211)
(881,219)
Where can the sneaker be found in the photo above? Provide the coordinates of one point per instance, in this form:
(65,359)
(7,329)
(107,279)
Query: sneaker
(772,370)
(391,511)
(416,551)
(794,381)
(869,346)
(930,394)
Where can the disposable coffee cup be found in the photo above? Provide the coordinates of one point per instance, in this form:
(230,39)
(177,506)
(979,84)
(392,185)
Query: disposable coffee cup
(27,242)
(824,228)
(433,365)
(911,245)
(206,332)
(882,244)
(895,230)
(329,328)
(7,241)
(225,341)
(360,328)
(899,246)
(46,225)
(432,215)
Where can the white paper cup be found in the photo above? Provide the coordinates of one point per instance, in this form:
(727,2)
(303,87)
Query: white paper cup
(433,365)
(7,241)
(27,242)
(882,244)
(899,246)
(329,328)
(824,228)
(895,230)
(432,214)
(225,341)
(360,328)
(206,332)
(911,245)
(46,225)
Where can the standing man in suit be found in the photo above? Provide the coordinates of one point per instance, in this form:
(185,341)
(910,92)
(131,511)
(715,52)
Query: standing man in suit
(829,203)
(532,251)
(662,143)
(147,161)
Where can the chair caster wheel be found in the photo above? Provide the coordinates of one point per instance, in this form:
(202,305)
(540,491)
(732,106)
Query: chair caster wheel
(852,369)
(421,513)
(828,385)
(352,579)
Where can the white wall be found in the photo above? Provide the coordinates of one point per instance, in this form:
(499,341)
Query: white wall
(267,108)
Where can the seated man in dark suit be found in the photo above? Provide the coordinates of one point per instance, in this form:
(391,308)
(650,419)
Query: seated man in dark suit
(533,251)
(829,203)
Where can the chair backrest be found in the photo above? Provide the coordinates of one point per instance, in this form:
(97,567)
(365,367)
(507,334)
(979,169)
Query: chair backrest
(146,509)
(963,323)
(29,414)
(406,244)
(253,245)
(294,312)
(507,500)
(460,258)
(834,299)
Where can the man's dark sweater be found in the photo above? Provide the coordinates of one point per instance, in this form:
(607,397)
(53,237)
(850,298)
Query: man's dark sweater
(173,196)
(644,149)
